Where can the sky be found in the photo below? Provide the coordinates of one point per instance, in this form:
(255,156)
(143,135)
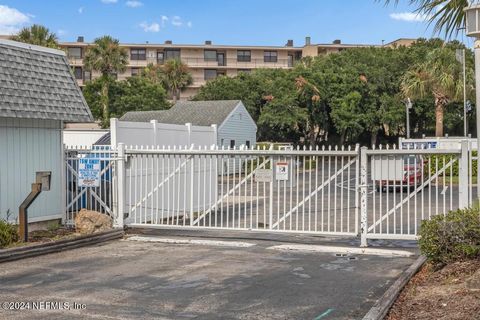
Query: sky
(245,22)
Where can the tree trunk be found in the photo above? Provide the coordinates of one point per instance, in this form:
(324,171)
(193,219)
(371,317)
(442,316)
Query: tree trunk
(438,118)
(373,138)
(342,136)
(106,113)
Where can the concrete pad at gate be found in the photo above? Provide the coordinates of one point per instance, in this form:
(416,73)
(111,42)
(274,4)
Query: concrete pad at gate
(151,280)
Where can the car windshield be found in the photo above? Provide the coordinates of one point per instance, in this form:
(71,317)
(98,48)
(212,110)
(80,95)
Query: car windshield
(410,160)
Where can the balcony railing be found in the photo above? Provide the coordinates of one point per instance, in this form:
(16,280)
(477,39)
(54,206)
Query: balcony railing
(195,62)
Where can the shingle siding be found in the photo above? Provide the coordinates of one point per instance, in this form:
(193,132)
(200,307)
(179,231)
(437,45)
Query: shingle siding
(37,83)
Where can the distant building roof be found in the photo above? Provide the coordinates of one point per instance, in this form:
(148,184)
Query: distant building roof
(36,82)
(198,113)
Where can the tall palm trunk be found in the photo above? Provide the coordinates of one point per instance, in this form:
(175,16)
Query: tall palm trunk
(440,103)
(105,109)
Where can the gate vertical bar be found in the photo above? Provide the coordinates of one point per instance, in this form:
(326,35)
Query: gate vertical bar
(463,175)
(363,197)
(120,207)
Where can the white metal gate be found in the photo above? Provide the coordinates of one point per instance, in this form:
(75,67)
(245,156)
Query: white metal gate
(309,191)
(99,198)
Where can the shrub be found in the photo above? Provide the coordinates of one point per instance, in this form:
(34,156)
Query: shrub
(8,233)
(451,237)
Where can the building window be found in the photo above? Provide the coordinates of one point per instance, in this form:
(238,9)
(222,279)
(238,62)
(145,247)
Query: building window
(138,54)
(78,73)
(232,144)
(247,143)
(290,60)
(135,71)
(270,56)
(160,57)
(87,75)
(210,55)
(244,55)
(74,53)
(210,74)
(172,54)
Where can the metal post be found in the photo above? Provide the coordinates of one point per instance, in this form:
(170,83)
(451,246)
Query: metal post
(477,102)
(22,212)
(408,106)
(465,125)
(270,211)
(463,175)
(363,197)
(120,208)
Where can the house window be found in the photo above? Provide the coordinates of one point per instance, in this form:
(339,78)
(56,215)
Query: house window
(135,71)
(74,53)
(87,75)
(247,143)
(232,144)
(290,60)
(210,74)
(138,54)
(221,142)
(172,54)
(78,73)
(270,56)
(160,57)
(244,55)
(210,55)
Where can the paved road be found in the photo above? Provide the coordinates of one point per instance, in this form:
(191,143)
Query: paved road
(139,280)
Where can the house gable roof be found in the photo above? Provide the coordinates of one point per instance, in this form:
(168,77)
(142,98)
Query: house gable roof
(198,113)
(36,83)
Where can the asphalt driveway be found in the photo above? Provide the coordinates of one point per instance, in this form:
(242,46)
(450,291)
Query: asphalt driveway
(165,280)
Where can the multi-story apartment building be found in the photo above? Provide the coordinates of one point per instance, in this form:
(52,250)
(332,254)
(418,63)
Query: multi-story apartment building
(208,61)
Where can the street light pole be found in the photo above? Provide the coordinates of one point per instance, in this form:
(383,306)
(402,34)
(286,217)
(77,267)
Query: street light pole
(465,124)
(408,106)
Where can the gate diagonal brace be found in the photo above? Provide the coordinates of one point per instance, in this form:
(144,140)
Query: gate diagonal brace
(238,185)
(180,167)
(412,194)
(313,193)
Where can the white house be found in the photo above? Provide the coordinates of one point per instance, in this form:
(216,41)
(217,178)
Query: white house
(235,126)
(38,94)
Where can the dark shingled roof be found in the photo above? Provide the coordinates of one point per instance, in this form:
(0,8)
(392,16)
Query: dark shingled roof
(36,83)
(198,113)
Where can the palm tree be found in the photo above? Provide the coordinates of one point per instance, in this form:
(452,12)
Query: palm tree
(175,77)
(437,76)
(37,35)
(447,15)
(108,58)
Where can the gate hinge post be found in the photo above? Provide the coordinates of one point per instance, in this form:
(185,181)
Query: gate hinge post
(120,207)
(363,197)
(463,175)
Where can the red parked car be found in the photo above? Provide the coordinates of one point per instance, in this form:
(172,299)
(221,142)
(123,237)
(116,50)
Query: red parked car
(413,172)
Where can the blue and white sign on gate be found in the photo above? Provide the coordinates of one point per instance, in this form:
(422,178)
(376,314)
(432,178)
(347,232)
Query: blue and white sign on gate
(89,173)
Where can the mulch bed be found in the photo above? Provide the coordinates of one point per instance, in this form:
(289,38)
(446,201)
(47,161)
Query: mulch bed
(452,292)
(45,236)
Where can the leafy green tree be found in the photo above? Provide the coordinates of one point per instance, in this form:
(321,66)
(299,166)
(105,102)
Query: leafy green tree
(37,35)
(175,76)
(132,94)
(107,57)
(347,116)
(439,76)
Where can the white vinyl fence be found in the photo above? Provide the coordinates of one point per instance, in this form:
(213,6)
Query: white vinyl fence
(382,193)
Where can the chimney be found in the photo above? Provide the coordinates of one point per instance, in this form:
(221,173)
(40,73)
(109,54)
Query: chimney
(289,43)
(80,39)
(208,42)
(337,41)
(168,42)
(307,41)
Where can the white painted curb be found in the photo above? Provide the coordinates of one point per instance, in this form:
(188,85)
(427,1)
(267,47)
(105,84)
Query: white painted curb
(192,241)
(342,250)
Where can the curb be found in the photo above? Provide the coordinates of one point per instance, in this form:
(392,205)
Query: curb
(57,246)
(384,303)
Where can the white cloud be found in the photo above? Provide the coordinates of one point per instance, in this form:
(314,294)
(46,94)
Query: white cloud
(189,24)
(153,27)
(11,20)
(80,10)
(109,1)
(409,16)
(133,4)
(61,32)
(177,21)
(164,20)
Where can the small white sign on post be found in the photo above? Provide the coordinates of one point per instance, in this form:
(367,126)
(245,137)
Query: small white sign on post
(263,175)
(281,171)
(89,172)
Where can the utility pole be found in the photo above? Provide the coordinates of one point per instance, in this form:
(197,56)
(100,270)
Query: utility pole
(408,106)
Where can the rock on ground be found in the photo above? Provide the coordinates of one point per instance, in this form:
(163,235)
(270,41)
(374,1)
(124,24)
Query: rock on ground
(87,222)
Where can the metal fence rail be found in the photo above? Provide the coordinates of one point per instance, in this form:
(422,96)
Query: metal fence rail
(307,190)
